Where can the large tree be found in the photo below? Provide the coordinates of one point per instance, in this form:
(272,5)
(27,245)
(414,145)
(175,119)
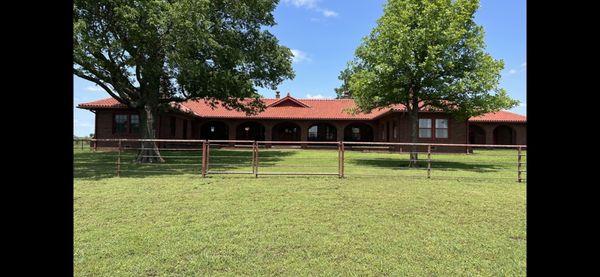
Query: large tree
(427,54)
(153,54)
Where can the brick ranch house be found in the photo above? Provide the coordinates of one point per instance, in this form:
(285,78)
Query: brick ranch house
(292,119)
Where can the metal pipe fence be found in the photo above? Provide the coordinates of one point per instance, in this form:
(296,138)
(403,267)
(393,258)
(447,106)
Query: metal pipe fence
(117,157)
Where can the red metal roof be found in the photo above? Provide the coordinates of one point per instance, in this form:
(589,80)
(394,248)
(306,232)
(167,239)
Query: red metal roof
(108,103)
(331,109)
(501,116)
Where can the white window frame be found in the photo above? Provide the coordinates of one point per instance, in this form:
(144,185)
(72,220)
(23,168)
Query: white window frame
(430,128)
(445,128)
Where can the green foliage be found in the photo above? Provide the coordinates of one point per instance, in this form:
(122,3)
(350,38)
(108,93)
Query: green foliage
(344,90)
(428,53)
(152,52)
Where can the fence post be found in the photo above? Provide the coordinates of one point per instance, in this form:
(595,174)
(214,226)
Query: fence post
(341,159)
(201,160)
(203,169)
(119,161)
(428,161)
(207,155)
(519,165)
(81,145)
(255,159)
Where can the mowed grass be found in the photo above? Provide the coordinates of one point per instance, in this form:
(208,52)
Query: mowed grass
(382,219)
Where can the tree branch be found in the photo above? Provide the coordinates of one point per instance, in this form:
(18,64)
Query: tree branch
(102,85)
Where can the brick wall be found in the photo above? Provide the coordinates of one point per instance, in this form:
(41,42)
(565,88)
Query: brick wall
(457,129)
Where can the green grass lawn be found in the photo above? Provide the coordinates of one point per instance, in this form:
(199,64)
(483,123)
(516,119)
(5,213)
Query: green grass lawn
(158,220)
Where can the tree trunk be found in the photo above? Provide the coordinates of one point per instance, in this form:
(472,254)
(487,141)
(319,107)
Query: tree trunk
(149,150)
(413,117)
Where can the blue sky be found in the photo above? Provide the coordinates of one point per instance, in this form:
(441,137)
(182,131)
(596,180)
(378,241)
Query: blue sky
(323,35)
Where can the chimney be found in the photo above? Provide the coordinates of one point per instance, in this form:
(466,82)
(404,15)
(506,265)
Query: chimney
(288,93)
(345,94)
(276,94)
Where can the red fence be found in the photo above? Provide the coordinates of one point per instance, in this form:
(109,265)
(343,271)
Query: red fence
(209,157)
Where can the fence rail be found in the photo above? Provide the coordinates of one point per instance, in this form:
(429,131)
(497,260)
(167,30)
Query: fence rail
(210,157)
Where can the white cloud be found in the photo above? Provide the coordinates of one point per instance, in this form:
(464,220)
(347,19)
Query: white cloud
(524,64)
(299,56)
(302,3)
(94,89)
(311,5)
(512,71)
(329,13)
(317,96)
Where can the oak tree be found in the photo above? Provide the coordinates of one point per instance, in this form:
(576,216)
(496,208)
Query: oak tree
(427,54)
(153,54)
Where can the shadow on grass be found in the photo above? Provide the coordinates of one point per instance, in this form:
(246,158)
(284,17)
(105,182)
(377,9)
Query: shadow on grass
(103,164)
(396,164)
(100,165)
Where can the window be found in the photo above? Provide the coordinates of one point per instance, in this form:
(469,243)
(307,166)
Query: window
(322,132)
(355,133)
(173,126)
(441,128)
(313,133)
(290,130)
(135,123)
(424,127)
(330,133)
(120,126)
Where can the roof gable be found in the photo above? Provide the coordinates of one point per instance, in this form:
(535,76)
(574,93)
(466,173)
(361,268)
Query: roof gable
(288,101)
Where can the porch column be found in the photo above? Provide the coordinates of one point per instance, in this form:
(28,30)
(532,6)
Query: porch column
(489,133)
(268,132)
(189,129)
(303,133)
(340,131)
(232,131)
(520,133)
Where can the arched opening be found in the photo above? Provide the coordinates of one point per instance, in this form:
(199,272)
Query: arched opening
(214,130)
(250,131)
(358,132)
(476,135)
(322,132)
(504,135)
(286,131)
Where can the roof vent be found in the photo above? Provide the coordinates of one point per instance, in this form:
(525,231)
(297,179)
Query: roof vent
(276,94)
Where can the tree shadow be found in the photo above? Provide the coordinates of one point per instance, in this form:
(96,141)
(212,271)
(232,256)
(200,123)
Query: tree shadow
(103,164)
(397,164)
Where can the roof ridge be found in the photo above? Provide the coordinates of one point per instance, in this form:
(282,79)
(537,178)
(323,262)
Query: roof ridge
(507,111)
